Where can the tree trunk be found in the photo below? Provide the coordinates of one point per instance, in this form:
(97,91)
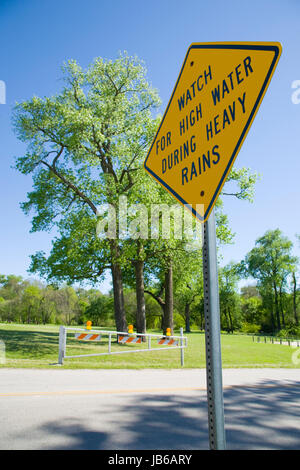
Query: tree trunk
(227,320)
(140,298)
(272,320)
(119,308)
(277,307)
(187,318)
(168,316)
(281,306)
(295,299)
(160,301)
(230,320)
(270,306)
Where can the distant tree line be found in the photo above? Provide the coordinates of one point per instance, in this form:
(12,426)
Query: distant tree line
(32,302)
(271,305)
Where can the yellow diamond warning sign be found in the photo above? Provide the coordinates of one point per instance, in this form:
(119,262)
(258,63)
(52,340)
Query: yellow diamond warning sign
(214,102)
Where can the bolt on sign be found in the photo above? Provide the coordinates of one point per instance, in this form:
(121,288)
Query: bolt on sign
(215,99)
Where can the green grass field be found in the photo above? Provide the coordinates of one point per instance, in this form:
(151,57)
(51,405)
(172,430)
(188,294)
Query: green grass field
(36,346)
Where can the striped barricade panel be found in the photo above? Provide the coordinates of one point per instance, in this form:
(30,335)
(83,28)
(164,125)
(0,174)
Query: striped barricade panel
(130,339)
(168,341)
(87,336)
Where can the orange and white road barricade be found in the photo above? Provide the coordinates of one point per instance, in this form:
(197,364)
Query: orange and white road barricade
(167,341)
(130,339)
(87,337)
(122,337)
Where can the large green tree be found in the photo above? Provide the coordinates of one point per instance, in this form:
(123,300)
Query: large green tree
(85,148)
(229,299)
(270,262)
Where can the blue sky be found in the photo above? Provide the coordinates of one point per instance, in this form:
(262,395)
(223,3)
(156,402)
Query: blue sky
(38,36)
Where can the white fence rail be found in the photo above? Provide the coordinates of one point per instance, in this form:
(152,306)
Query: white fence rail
(181,343)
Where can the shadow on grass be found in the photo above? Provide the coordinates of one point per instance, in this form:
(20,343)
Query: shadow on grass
(264,417)
(30,343)
(33,344)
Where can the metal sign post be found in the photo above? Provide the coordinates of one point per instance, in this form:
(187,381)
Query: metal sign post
(216,427)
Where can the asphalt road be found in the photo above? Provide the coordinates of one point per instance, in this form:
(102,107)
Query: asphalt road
(145,409)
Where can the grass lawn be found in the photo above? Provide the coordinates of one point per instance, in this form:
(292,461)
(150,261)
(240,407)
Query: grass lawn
(36,346)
